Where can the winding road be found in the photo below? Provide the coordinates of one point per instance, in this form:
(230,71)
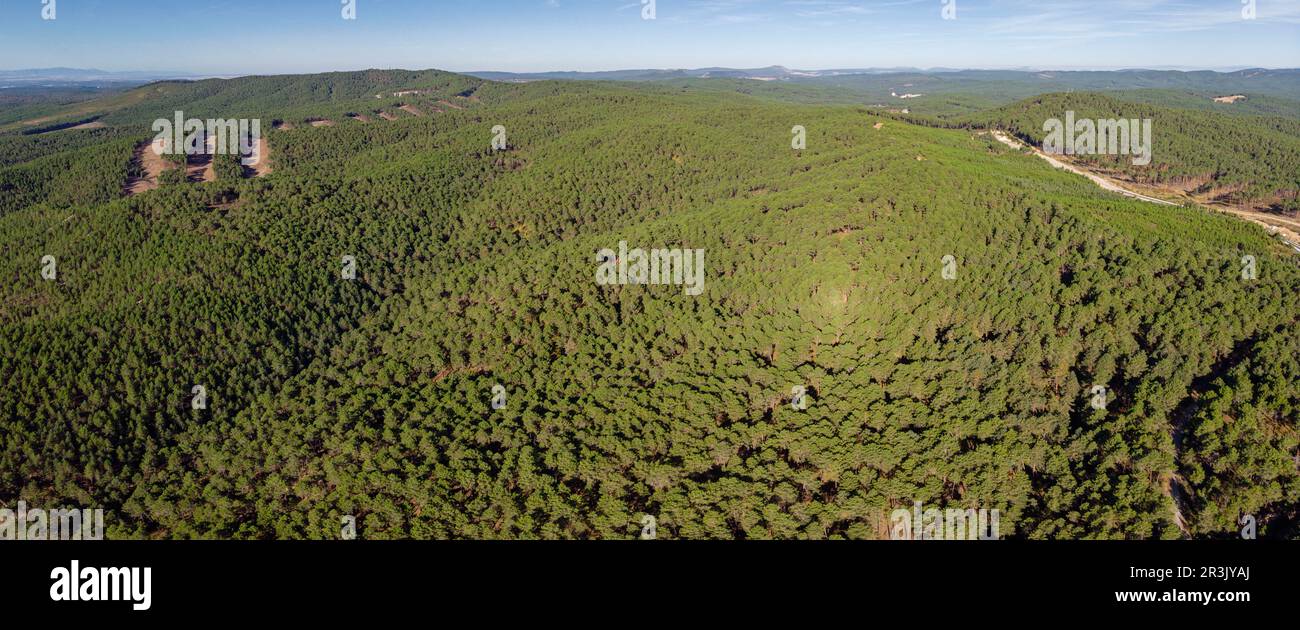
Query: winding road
(1288,228)
(1097,179)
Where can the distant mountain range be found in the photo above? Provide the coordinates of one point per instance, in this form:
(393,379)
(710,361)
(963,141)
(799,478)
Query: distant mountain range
(769,73)
(773,73)
(68,77)
(1069,79)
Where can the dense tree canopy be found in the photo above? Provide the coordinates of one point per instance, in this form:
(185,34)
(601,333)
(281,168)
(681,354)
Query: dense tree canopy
(330,395)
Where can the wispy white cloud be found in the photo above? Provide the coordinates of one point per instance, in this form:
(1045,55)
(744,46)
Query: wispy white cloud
(1102,19)
(827,8)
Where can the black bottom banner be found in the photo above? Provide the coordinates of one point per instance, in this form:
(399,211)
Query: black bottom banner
(217,580)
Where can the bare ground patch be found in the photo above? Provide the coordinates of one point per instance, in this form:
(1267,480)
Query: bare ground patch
(262,166)
(152,164)
(202,167)
(90,124)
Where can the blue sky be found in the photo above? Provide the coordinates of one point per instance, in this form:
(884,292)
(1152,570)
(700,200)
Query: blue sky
(277,36)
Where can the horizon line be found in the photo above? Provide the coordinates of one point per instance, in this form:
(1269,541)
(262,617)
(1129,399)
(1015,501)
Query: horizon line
(844,69)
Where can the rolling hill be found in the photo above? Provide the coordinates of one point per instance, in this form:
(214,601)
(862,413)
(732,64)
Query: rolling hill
(945,307)
(1212,157)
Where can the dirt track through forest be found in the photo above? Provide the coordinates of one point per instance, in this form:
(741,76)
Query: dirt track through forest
(1288,228)
(1097,179)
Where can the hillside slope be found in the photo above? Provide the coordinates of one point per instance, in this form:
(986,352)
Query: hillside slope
(1215,158)
(824,269)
